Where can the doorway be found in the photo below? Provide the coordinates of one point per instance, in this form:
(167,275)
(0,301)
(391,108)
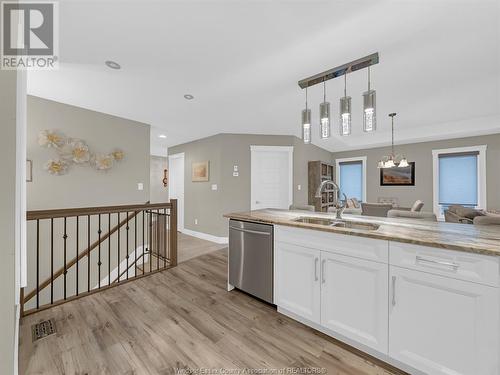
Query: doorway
(176,188)
(271,177)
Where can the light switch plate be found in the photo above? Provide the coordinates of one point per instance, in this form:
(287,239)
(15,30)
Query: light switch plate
(235,168)
(140,186)
(214,187)
(236,174)
(299,187)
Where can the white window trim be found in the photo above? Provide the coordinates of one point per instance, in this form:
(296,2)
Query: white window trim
(287,149)
(481,178)
(362,159)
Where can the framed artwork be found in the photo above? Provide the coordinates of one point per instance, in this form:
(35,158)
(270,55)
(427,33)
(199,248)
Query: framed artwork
(29,170)
(404,176)
(200,171)
(165,178)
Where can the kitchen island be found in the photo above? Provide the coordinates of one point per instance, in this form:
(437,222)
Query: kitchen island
(422,296)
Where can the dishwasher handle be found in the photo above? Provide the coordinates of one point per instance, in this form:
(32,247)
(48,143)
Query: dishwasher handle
(250,231)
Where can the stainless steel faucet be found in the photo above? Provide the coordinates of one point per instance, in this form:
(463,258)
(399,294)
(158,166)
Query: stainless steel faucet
(338,203)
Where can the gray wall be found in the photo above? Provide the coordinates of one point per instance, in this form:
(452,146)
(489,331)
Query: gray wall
(7,220)
(158,192)
(233,194)
(421,154)
(84,186)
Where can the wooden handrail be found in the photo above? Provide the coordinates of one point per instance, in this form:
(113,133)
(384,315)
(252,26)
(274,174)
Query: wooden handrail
(83,254)
(70,212)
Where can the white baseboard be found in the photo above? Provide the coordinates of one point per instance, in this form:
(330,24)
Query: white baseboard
(206,236)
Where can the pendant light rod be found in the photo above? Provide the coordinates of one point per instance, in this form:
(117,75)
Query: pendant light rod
(340,70)
(324,90)
(368,78)
(391,115)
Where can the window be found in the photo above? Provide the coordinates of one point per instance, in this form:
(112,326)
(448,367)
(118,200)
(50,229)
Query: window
(351,177)
(459,178)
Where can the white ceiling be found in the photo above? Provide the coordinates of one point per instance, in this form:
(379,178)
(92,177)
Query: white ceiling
(439,65)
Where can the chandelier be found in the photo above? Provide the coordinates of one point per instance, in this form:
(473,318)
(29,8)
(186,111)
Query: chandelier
(393,160)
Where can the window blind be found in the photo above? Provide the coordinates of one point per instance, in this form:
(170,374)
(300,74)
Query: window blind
(458,179)
(351,179)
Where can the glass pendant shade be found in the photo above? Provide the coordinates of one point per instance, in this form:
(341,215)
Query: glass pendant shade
(381,164)
(389,164)
(324,115)
(345,115)
(403,163)
(369,113)
(306,125)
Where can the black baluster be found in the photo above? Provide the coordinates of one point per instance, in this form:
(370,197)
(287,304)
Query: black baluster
(51,261)
(119,230)
(135,244)
(37,263)
(150,233)
(88,253)
(99,231)
(165,238)
(127,229)
(109,248)
(144,251)
(77,250)
(65,236)
(158,239)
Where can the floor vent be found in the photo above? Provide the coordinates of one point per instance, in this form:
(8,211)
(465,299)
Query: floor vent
(43,329)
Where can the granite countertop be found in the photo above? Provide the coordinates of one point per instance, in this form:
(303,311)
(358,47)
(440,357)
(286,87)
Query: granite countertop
(462,237)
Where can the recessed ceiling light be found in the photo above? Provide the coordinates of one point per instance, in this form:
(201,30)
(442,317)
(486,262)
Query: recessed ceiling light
(162,136)
(113,65)
(188,96)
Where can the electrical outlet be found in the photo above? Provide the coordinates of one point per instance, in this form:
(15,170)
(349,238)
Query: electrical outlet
(140,186)
(214,187)
(299,187)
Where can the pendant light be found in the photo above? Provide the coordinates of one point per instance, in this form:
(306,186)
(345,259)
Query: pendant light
(324,116)
(345,110)
(369,114)
(390,161)
(306,124)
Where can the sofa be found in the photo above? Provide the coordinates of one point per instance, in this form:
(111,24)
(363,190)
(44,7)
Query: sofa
(462,215)
(408,214)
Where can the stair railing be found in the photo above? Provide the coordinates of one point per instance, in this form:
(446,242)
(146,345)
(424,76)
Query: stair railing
(99,241)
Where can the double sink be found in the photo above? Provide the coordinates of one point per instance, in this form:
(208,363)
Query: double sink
(337,223)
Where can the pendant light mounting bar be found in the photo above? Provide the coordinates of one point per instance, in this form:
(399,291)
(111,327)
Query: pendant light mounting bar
(350,67)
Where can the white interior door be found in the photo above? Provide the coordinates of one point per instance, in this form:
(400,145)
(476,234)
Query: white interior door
(176,185)
(271,177)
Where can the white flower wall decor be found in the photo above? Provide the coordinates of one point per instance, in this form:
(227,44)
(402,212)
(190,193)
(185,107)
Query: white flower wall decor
(74,151)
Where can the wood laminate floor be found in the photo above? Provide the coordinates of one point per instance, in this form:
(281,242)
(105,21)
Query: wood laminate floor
(182,318)
(190,247)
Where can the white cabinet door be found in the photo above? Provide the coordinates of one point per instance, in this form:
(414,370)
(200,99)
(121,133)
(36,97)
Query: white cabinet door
(441,325)
(354,294)
(297,280)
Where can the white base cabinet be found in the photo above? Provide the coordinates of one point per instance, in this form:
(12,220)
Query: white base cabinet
(442,325)
(354,299)
(297,285)
(433,310)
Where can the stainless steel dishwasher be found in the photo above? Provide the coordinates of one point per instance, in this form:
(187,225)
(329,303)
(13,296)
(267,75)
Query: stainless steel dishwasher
(251,258)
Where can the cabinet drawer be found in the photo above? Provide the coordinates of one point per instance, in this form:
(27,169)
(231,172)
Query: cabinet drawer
(354,246)
(460,265)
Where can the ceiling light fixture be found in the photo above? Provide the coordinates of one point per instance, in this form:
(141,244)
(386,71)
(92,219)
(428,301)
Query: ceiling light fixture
(188,97)
(113,65)
(324,116)
(345,110)
(369,115)
(391,160)
(162,136)
(306,124)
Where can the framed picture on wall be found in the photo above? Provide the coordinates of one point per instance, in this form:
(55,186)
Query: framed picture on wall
(199,171)
(404,176)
